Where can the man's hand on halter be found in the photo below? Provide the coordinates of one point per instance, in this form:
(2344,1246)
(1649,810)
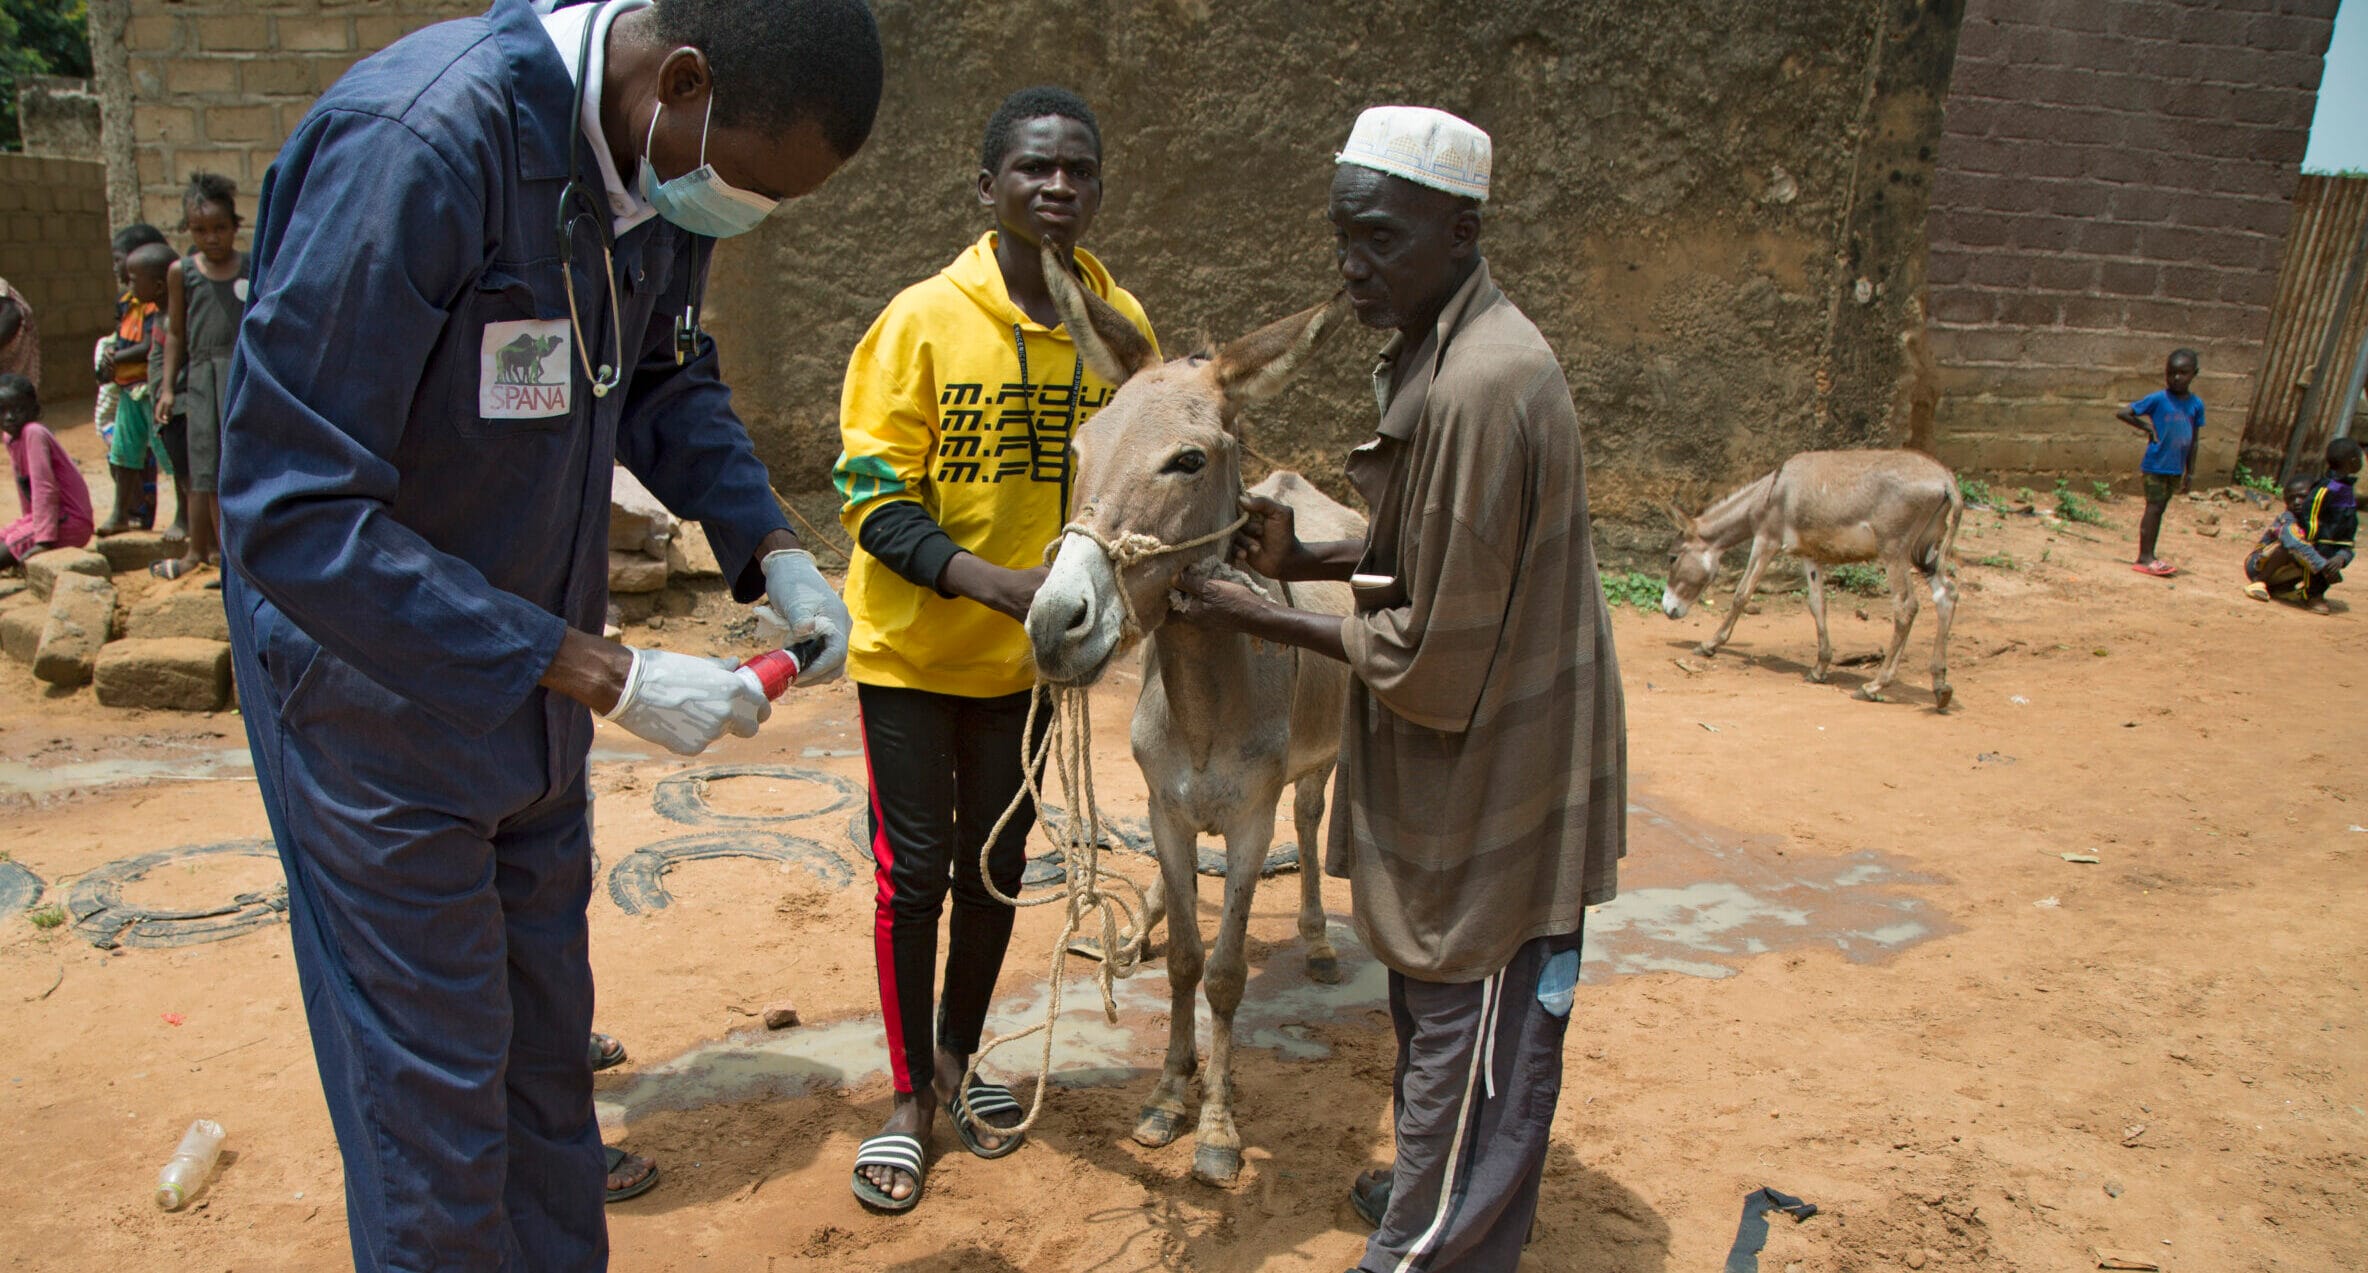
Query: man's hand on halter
(808,606)
(1269,543)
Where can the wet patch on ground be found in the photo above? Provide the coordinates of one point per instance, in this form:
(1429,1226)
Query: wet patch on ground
(1696,901)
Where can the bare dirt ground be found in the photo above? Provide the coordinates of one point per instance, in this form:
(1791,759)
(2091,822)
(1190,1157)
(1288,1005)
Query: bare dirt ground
(1849,962)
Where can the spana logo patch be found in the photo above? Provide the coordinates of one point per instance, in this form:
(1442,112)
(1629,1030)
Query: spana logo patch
(523,370)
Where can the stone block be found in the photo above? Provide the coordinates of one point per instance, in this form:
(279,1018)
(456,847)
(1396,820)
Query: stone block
(21,622)
(195,612)
(690,556)
(81,618)
(634,573)
(635,517)
(180,674)
(42,569)
(136,551)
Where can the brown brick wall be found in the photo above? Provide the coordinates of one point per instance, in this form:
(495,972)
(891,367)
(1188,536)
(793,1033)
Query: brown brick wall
(2115,178)
(218,84)
(53,248)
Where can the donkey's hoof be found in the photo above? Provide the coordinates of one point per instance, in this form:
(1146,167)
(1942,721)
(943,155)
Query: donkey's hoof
(1324,968)
(1868,693)
(1216,1165)
(1817,675)
(1158,1126)
(1706,650)
(1941,695)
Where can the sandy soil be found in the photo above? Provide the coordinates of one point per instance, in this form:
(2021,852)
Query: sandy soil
(1850,962)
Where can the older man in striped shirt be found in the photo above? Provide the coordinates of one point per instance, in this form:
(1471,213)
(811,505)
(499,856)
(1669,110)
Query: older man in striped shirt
(1483,775)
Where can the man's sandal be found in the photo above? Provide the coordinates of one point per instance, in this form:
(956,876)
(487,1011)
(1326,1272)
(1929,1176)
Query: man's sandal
(1369,1195)
(897,1151)
(618,1158)
(975,1109)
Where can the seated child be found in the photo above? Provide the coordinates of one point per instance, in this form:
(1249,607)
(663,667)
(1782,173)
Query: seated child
(50,493)
(2305,550)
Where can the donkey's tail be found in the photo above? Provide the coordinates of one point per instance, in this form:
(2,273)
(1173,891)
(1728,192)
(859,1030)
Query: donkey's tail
(1940,534)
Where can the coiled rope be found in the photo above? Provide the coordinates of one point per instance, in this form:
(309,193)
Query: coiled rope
(1096,898)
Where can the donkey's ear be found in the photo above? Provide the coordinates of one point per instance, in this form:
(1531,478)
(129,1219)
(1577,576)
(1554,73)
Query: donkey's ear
(1259,365)
(1105,339)
(1677,516)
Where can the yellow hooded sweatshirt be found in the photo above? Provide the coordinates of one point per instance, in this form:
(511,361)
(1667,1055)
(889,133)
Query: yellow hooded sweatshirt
(958,401)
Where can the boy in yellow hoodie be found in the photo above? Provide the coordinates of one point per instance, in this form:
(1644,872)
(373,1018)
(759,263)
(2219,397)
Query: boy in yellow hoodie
(956,419)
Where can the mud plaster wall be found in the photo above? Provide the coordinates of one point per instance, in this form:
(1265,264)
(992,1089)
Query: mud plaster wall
(1686,198)
(2115,181)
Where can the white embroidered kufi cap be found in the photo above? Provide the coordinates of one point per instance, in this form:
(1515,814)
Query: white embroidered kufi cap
(1425,146)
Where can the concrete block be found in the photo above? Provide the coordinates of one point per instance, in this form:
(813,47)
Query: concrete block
(174,673)
(232,32)
(21,621)
(634,573)
(241,123)
(81,618)
(192,613)
(324,34)
(42,569)
(136,551)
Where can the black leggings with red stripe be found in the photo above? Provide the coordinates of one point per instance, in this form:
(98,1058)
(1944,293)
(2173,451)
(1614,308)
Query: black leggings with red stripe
(943,769)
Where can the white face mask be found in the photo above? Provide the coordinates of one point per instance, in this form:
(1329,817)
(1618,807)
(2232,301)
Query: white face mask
(700,200)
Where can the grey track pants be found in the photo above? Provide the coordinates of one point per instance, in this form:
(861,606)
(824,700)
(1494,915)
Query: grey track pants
(1479,1073)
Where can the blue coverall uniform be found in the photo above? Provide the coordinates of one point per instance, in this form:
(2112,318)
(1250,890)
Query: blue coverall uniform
(402,568)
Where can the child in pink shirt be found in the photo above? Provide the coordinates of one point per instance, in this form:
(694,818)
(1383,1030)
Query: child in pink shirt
(49,489)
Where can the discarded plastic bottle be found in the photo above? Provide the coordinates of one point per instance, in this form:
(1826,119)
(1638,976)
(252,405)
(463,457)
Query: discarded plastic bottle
(774,671)
(190,1164)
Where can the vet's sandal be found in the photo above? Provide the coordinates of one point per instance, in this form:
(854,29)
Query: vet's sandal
(604,1052)
(897,1151)
(975,1109)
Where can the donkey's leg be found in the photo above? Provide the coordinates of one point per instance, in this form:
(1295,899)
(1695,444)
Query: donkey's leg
(1944,607)
(1163,1114)
(1903,620)
(1761,555)
(1815,579)
(1217,1155)
(1307,813)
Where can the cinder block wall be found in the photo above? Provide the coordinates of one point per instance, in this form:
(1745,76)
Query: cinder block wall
(217,85)
(2115,178)
(53,248)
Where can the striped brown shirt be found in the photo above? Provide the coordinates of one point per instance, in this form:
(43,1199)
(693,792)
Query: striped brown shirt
(1484,759)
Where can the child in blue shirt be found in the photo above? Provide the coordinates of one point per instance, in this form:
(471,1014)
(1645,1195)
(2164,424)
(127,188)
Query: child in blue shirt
(2172,418)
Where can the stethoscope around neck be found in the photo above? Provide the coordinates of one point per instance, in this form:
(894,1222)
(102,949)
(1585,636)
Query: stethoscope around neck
(578,206)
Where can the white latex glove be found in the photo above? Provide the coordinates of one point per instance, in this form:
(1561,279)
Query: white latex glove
(684,703)
(808,606)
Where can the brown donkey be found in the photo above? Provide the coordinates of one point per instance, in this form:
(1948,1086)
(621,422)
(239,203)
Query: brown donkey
(1223,723)
(1830,508)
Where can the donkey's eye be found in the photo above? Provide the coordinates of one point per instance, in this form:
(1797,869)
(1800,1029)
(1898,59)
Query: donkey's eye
(1186,462)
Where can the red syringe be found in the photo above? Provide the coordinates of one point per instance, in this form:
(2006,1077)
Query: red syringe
(774,671)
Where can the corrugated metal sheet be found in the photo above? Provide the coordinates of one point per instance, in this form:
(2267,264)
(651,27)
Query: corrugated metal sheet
(2325,235)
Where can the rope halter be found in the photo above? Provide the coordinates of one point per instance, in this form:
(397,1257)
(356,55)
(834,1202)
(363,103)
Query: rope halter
(1133,549)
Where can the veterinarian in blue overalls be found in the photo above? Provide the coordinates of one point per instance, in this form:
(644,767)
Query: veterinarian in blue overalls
(478,264)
